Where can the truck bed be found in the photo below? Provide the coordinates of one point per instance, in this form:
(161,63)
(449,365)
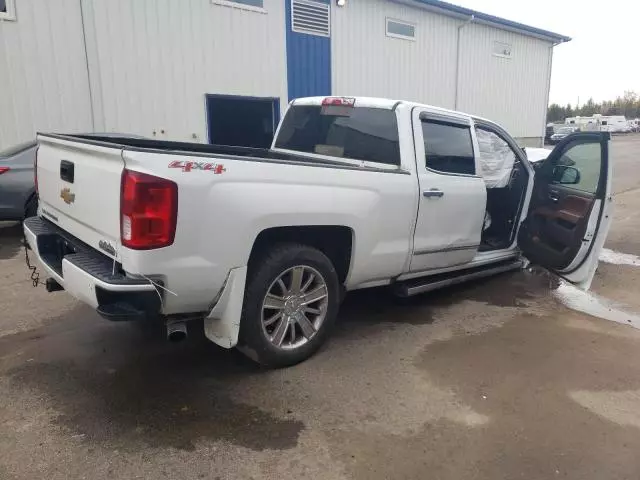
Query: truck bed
(194,149)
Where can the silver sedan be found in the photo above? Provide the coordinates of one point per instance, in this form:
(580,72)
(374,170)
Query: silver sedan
(18,199)
(17,188)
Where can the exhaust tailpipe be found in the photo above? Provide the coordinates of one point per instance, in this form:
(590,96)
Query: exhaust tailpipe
(177,332)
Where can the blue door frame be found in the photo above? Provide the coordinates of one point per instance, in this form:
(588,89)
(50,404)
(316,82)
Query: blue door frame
(308,61)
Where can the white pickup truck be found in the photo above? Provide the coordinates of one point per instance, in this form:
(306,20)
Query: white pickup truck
(354,193)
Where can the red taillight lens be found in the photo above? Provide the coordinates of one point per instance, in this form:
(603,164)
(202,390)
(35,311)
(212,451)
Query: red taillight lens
(339,102)
(148,211)
(4,170)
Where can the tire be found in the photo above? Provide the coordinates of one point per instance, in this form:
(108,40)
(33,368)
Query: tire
(274,272)
(31,208)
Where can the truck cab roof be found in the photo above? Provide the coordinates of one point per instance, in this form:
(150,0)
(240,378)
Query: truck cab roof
(384,103)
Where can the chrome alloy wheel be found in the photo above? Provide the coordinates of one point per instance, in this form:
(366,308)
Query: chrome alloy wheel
(294,307)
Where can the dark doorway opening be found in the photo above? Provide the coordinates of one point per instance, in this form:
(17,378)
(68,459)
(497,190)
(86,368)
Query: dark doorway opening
(242,121)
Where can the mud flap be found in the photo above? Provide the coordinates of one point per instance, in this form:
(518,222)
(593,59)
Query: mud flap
(222,325)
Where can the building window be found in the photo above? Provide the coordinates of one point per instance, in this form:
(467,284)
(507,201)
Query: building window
(502,49)
(7,10)
(399,29)
(253,5)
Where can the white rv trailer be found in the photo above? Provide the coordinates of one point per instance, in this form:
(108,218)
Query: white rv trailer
(602,123)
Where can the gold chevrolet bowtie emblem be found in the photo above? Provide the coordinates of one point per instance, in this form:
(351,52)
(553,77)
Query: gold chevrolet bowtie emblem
(67,196)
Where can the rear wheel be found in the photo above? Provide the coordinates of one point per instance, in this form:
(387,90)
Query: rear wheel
(291,303)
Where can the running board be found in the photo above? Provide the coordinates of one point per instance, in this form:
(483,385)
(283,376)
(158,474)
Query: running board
(422,285)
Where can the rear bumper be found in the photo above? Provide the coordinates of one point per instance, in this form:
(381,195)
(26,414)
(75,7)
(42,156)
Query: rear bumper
(91,277)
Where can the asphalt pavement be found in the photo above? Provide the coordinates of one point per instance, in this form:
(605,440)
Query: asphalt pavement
(495,379)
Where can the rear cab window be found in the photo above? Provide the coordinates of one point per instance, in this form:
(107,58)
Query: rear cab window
(351,132)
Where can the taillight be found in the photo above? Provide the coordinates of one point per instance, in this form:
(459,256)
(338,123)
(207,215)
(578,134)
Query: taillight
(339,102)
(148,211)
(4,170)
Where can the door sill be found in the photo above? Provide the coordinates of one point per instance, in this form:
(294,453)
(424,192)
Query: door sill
(509,251)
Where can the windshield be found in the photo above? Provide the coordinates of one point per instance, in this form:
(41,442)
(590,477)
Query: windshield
(359,133)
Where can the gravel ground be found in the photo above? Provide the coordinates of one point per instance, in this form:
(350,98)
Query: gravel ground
(496,379)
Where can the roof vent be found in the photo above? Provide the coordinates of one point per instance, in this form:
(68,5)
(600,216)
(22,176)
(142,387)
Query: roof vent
(310,17)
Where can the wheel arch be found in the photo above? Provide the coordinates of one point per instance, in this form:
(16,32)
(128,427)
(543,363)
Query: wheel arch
(335,241)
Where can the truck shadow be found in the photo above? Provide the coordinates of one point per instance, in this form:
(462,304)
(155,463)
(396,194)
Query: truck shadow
(380,307)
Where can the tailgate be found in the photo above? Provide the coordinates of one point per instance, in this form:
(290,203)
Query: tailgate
(79,189)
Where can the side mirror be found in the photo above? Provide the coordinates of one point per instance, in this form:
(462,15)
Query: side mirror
(566,175)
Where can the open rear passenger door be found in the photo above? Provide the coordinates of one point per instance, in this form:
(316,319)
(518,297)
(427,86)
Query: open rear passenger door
(570,208)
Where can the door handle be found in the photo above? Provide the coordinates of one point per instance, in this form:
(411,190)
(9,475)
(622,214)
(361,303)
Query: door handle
(434,192)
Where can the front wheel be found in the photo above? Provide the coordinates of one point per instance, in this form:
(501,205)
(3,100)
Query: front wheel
(290,305)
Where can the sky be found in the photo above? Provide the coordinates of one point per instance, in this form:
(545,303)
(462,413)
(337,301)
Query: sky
(603,58)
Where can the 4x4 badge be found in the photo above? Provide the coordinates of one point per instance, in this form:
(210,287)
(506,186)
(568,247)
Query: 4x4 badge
(216,168)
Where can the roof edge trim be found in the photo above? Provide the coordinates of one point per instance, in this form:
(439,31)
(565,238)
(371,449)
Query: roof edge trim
(446,8)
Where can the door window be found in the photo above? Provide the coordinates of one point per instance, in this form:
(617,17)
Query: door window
(448,148)
(579,167)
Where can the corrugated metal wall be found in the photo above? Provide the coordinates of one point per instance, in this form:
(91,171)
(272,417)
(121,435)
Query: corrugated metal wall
(367,62)
(153,61)
(511,91)
(43,73)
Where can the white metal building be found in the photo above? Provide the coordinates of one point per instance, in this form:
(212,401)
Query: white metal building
(197,70)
